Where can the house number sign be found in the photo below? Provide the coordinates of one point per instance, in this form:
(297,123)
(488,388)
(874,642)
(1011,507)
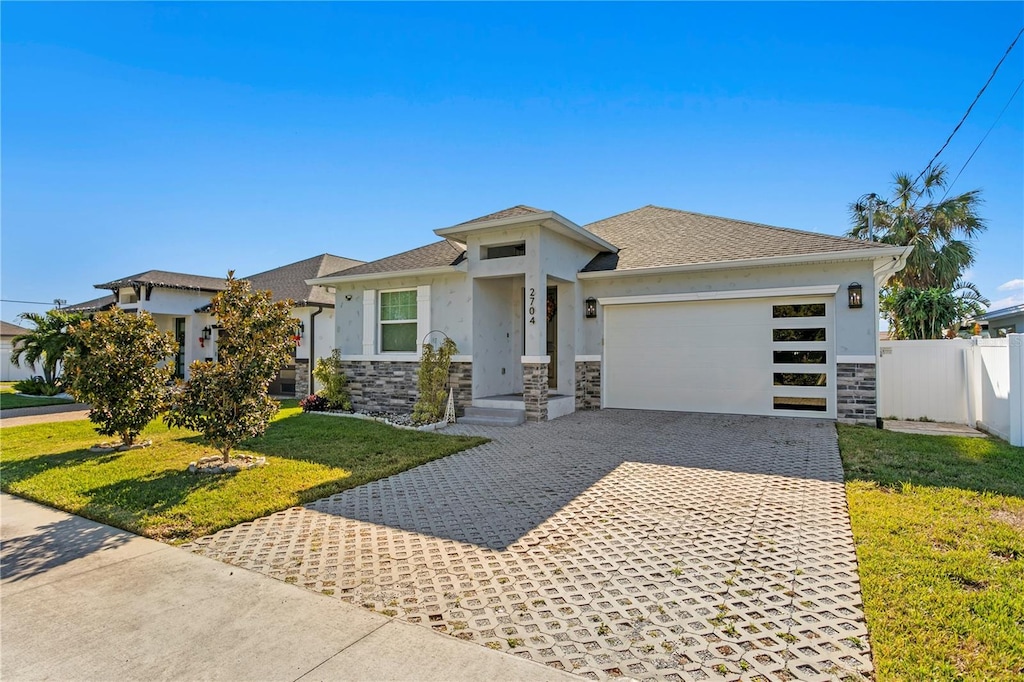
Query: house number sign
(533,301)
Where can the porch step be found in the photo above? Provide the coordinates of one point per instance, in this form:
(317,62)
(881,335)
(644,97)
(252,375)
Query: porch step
(493,416)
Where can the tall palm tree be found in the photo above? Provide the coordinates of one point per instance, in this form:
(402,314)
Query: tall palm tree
(46,344)
(939,228)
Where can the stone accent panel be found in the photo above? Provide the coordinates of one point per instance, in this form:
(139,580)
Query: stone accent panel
(535,391)
(856,393)
(302,388)
(460,376)
(588,386)
(382,386)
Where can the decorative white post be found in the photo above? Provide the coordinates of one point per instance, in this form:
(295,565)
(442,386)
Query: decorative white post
(1016,389)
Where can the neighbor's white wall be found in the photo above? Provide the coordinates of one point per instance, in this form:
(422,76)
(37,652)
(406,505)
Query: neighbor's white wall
(177,302)
(856,329)
(8,372)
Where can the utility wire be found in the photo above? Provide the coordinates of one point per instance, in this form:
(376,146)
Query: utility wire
(7,300)
(964,117)
(994,123)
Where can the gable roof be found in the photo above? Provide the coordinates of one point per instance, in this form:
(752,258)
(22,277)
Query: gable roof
(167,280)
(289,281)
(510,212)
(10,329)
(653,236)
(92,306)
(436,255)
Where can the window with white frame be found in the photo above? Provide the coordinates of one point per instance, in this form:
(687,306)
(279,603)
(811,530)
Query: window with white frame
(398,321)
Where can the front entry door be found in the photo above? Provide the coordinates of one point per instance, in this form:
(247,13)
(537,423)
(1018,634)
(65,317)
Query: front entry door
(552,334)
(179,358)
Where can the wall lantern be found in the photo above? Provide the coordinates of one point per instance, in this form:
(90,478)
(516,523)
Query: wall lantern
(591,308)
(856,292)
(300,329)
(207,332)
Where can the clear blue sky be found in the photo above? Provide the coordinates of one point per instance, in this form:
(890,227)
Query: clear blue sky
(202,137)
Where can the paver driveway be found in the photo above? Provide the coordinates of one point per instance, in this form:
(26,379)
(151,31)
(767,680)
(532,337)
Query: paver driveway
(653,545)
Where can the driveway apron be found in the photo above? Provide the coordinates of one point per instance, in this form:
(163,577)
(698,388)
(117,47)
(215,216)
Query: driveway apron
(652,545)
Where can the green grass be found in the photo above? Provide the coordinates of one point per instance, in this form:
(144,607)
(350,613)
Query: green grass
(149,491)
(10,400)
(939,526)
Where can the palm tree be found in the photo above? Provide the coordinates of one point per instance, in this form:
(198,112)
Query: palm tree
(46,344)
(938,228)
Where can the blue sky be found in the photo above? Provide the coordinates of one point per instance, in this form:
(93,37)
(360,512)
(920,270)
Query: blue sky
(206,137)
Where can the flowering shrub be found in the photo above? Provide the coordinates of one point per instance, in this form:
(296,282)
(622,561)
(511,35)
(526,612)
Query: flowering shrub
(313,403)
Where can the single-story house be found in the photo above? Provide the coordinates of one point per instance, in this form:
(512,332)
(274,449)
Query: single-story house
(656,309)
(180,303)
(8,371)
(1004,321)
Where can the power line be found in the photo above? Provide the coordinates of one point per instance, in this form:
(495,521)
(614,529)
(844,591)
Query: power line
(985,137)
(7,300)
(964,117)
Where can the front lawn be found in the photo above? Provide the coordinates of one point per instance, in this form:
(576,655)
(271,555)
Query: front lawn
(10,400)
(939,526)
(149,492)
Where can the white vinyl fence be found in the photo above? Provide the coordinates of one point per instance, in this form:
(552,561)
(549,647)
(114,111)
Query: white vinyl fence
(978,382)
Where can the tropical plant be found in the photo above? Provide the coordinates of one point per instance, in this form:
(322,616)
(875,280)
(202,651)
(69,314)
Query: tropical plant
(36,386)
(46,344)
(229,401)
(116,364)
(930,313)
(329,372)
(433,382)
(940,229)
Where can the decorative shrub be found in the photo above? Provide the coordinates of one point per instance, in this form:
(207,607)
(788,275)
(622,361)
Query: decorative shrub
(335,384)
(433,382)
(314,403)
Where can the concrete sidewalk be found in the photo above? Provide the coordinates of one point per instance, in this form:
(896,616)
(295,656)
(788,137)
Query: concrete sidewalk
(84,601)
(20,416)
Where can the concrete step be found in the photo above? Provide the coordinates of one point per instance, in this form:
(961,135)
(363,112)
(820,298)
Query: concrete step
(493,416)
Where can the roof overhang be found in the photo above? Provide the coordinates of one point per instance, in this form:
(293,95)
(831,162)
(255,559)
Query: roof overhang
(340,277)
(547,219)
(1002,312)
(895,255)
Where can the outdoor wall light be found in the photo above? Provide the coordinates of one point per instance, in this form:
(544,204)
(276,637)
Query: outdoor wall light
(856,294)
(207,332)
(300,329)
(591,308)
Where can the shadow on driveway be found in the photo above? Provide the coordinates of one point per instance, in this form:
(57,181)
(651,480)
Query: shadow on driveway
(54,545)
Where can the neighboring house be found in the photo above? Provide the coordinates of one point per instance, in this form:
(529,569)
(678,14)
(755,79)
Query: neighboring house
(180,303)
(652,309)
(1004,321)
(8,372)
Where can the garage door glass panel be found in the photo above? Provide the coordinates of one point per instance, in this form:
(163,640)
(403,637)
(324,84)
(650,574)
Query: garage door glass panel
(799,310)
(796,335)
(802,404)
(800,379)
(800,357)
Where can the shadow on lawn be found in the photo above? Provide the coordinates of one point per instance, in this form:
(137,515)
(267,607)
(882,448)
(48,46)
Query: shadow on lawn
(56,544)
(23,469)
(888,458)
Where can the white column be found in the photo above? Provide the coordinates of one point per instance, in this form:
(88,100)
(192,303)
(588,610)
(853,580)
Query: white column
(536,312)
(422,314)
(370,322)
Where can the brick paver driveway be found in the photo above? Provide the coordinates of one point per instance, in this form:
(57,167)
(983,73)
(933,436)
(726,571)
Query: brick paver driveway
(653,545)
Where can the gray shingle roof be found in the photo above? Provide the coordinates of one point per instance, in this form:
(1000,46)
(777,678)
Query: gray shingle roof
(167,280)
(1002,312)
(436,255)
(289,281)
(652,237)
(9,329)
(505,213)
(92,306)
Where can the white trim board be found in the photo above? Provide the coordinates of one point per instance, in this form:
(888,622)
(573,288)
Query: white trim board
(535,359)
(775,292)
(856,359)
(588,358)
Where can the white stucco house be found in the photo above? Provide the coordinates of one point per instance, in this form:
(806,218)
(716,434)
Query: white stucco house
(655,309)
(179,303)
(8,370)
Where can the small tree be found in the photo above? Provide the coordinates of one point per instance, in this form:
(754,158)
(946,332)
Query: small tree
(328,371)
(433,381)
(47,344)
(229,401)
(115,365)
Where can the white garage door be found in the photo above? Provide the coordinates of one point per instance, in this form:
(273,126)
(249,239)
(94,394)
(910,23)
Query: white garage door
(750,356)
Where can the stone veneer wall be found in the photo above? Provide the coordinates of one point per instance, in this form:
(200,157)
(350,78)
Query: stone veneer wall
(380,385)
(588,385)
(302,388)
(535,391)
(856,393)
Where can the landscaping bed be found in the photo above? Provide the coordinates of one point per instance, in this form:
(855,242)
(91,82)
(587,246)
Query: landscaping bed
(150,491)
(9,400)
(938,522)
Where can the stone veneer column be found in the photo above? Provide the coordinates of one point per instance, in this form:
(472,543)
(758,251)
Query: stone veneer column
(382,386)
(856,393)
(535,391)
(302,388)
(460,378)
(588,385)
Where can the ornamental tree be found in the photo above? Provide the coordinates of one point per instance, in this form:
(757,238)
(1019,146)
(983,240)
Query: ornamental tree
(116,364)
(229,401)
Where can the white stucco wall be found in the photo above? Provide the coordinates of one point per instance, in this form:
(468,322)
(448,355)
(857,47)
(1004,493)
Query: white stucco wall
(856,329)
(8,372)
